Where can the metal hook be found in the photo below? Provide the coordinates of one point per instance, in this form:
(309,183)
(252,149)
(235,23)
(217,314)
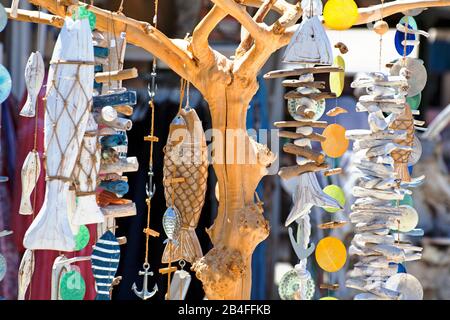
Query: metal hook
(145,294)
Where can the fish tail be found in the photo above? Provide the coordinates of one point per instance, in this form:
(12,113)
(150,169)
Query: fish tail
(171,252)
(102,296)
(402,171)
(25,205)
(29,108)
(188,249)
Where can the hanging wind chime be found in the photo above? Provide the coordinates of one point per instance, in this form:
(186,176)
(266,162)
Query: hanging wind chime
(309,46)
(150,186)
(383,215)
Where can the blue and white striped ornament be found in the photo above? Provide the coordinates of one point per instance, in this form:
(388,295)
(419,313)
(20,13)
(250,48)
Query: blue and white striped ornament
(105,261)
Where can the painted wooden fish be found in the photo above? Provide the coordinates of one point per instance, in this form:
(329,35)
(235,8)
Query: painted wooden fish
(31,170)
(171,224)
(25,273)
(85,176)
(34,77)
(186,159)
(105,261)
(69,96)
(119,187)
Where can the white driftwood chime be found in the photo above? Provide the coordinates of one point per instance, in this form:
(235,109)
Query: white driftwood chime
(306,104)
(383,214)
(85,144)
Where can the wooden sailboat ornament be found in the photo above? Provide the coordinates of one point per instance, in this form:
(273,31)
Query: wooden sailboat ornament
(310,43)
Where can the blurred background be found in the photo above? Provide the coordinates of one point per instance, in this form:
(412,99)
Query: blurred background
(274,256)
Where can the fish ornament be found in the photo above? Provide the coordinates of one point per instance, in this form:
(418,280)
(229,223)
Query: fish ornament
(185,157)
(31,170)
(69,98)
(310,43)
(171,224)
(26,270)
(85,174)
(308,193)
(404,121)
(34,77)
(105,261)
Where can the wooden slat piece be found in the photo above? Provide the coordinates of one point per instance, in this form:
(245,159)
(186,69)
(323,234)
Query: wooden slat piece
(301,123)
(117,75)
(295,135)
(293,171)
(300,71)
(314,96)
(305,84)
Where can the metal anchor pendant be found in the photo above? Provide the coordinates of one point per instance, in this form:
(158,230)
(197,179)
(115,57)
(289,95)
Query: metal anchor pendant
(145,294)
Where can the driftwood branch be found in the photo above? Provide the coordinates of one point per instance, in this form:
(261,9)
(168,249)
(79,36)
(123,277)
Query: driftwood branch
(200,46)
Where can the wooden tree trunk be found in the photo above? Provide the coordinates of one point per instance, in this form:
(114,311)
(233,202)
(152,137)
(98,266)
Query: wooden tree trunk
(240,225)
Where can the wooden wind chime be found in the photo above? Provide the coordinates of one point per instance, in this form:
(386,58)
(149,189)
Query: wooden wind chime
(383,213)
(310,47)
(150,188)
(85,155)
(185,181)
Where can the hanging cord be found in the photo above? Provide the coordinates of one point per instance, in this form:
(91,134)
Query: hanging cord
(35,134)
(381,38)
(150,189)
(182,90)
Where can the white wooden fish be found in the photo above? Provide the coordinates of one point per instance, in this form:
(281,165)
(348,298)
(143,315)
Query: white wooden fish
(31,170)
(34,77)
(25,273)
(85,174)
(69,95)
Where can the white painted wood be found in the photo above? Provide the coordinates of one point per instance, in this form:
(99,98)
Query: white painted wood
(51,229)
(30,172)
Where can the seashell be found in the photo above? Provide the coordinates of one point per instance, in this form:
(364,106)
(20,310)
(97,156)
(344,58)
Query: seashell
(406,285)
(418,74)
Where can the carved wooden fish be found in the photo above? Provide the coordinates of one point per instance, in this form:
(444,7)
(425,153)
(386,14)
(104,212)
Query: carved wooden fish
(26,271)
(34,77)
(69,95)
(186,159)
(31,170)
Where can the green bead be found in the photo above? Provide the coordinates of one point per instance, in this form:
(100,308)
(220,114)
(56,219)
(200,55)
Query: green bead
(72,286)
(414,102)
(336,193)
(82,238)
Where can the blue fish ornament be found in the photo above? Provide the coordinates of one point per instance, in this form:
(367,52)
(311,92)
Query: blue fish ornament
(105,261)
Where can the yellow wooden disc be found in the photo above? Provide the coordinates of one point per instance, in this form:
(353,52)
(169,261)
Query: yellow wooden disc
(331,254)
(340,14)
(337,79)
(328,298)
(335,143)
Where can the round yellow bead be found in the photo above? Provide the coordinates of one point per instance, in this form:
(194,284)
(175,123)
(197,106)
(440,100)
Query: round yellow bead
(381,27)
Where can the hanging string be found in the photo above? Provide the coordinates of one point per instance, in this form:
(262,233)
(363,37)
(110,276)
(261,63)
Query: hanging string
(35,134)
(120,7)
(182,90)
(381,39)
(151,105)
